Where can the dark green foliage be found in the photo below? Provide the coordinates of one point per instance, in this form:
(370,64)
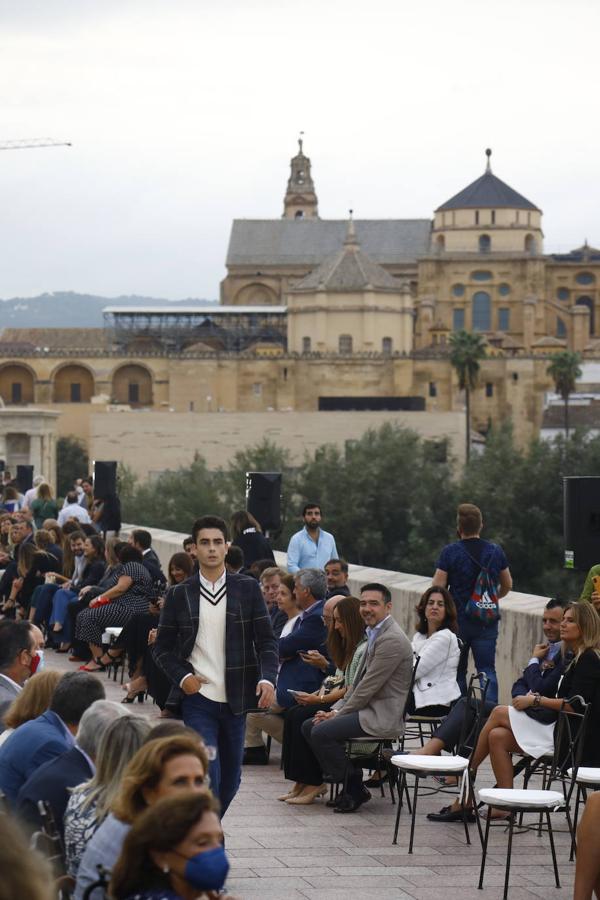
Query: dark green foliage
(71,462)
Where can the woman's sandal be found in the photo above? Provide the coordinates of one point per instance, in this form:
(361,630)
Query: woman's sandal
(100,665)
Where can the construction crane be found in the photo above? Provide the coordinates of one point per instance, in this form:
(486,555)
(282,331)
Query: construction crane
(28,143)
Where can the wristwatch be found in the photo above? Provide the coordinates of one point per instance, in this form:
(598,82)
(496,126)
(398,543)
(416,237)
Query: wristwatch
(537,700)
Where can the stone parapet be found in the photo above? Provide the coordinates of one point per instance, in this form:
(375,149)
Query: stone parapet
(520,627)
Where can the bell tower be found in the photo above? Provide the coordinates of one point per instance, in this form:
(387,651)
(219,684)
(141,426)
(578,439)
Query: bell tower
(300,201)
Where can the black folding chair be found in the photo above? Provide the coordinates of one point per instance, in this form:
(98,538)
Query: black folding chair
(569,735)
(421,766)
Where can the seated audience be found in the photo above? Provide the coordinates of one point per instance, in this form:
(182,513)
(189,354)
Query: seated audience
(246,534)
(528,725)
(270,582)
(310,633)
(44,540)
(26,874)
(21,533)
(270,721)
(436,645)
(175,849)
(89,576)
(44,506)
(346,644)
(33,700)
(52,780)
(131,593)
(336,572)
(169,767)
(10,499)
(373,706)
(142,541)
(91,801)
(19,659)
(46,737)
(234,561)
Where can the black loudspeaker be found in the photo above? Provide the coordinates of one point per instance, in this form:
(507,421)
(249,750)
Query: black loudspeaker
(263,498)
(581,520)
(105,478)
(25,478)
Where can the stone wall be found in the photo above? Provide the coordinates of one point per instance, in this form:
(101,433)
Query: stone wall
(520,627)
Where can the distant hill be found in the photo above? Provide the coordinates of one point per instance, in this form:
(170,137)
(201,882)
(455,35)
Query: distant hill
(75,310)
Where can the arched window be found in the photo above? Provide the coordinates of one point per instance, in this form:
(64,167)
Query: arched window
(561,328)
(481,311)
(73,384)
(306,344)
(386,345)
(585,278)
(299,214)
(587,301)
(530,245)
(485,243)
(16,384)
(345,343)
(132,385)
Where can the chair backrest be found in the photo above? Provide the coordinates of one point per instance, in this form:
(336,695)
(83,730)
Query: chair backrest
(102,884)
(48,840)
(413,678)
(569,737)
(473,717)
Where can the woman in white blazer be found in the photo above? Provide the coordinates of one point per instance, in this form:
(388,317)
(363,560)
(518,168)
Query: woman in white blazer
(436,643)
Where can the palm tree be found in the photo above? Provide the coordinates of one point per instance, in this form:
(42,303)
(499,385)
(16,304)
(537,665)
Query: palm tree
(564,371)
(467,349)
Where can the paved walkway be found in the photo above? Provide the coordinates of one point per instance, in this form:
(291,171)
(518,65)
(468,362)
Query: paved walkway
(281,851)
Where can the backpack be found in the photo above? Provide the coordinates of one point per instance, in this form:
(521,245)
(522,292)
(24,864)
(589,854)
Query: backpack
(483,605)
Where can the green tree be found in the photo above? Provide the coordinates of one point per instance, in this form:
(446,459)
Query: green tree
(466,351)
(564,371)
(71,462)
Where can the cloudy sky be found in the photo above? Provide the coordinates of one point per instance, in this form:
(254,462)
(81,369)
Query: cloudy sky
(184,114)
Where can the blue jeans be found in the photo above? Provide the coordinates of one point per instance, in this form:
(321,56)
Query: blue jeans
(221,729)
(481,641)
(43,603)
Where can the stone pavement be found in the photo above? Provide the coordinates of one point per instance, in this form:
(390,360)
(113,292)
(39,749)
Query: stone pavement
(281,851)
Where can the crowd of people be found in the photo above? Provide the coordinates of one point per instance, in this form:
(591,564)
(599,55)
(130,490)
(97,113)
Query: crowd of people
(234,649)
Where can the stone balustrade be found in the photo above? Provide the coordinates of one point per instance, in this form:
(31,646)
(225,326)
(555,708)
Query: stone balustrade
(520,627)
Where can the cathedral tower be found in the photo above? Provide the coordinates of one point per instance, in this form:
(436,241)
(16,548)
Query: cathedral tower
(300,200)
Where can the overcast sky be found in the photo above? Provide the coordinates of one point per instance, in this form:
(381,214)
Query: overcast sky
(184,115)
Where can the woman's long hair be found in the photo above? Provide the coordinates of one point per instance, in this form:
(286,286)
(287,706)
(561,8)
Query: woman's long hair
(240,520)
(34,699)
(160,829)
(588,621)
(450,619)
(180,560)
(341,649)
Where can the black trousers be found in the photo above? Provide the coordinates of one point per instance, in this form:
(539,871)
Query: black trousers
(450,729)
(134,638)
(299,762)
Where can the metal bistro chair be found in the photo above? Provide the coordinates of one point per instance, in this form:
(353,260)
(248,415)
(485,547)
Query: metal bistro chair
(569,735)
(49,843)
(374,759)
(421,766)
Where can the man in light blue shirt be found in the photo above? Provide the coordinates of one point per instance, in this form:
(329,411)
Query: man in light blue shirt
(310,548)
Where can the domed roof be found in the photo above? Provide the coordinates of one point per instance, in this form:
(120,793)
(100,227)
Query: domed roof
(487,191)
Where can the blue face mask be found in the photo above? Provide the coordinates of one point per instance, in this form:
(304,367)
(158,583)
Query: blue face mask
(207,871)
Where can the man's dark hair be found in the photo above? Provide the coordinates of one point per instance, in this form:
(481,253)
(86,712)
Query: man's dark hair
(72,497)
(376,586)
(142,537)
(14,638)
(308,506)
(129,553)
(555,602)
(75,692)
(339,562)
(210,522)
(77,535)
(187,541)
(235,557)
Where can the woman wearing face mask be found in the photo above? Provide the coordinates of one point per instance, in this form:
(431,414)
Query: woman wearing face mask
(167,767)
(173,852)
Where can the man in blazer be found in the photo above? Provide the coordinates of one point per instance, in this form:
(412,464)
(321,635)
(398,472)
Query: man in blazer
(374,705)
(216,645)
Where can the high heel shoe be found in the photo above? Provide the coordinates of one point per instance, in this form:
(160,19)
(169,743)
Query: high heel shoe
(295,791)
(309,797)
(140,696)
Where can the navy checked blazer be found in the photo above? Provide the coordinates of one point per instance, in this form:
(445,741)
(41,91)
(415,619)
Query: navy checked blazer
(251,648)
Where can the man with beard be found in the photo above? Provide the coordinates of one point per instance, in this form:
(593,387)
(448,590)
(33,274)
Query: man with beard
(311,547)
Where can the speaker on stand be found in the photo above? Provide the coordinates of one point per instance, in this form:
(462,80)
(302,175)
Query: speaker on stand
(105,489)
(263,499)
(25,478)
(581,521)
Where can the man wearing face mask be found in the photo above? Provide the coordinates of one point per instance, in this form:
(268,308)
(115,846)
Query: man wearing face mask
(20,657)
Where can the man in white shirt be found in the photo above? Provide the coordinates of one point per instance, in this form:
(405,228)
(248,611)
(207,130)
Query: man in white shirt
(73,510)
(216,645)
(31,494)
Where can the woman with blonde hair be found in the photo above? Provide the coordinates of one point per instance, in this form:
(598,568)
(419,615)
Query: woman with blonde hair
(32,701)
(91,801)
(165,767)
(44,506)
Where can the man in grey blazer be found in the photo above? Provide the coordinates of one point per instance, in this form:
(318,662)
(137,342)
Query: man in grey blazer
(18,648)
(374,705)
